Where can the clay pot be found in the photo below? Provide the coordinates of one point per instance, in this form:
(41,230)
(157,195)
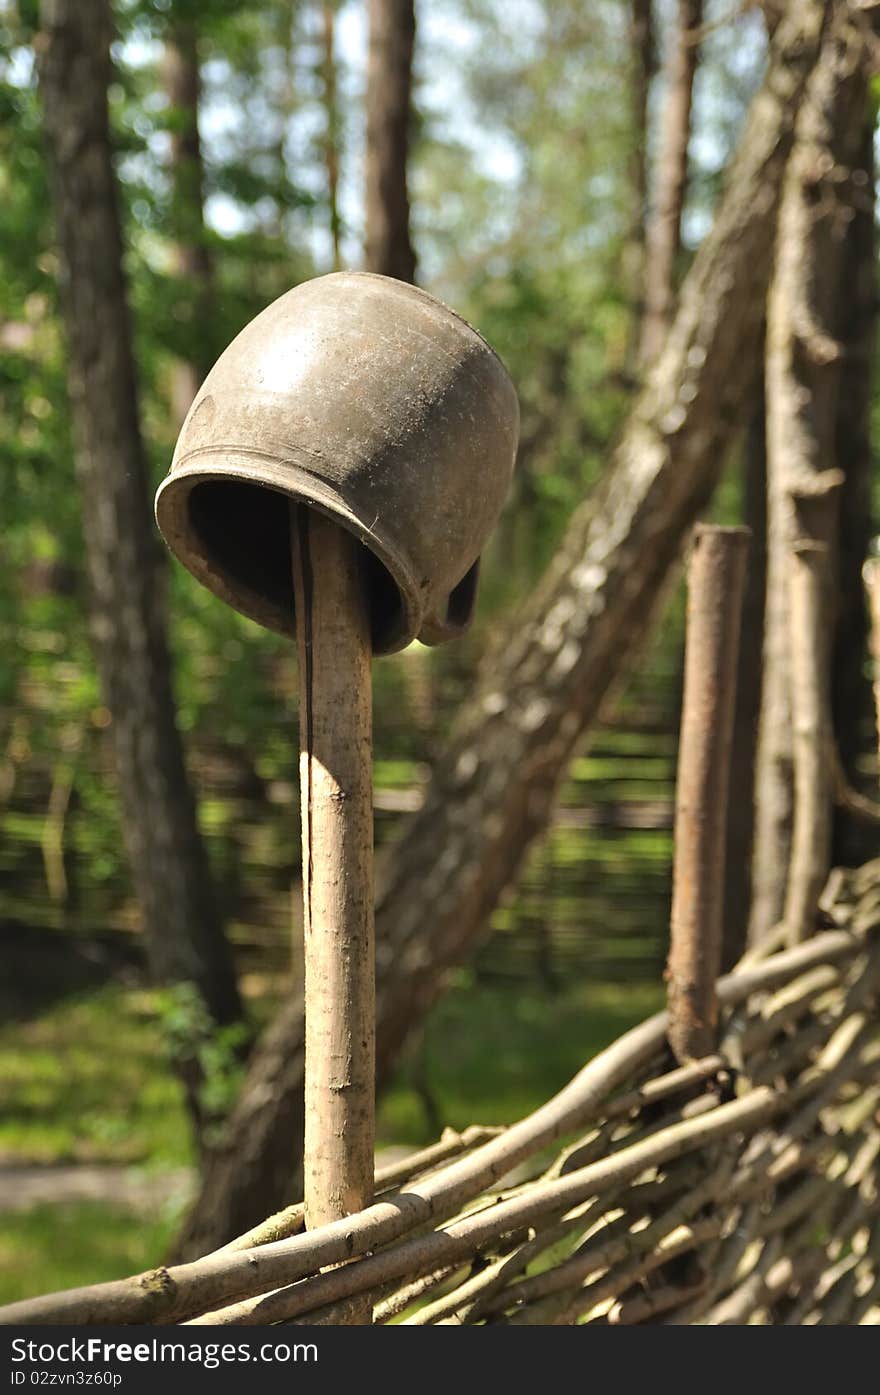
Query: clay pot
(371,401)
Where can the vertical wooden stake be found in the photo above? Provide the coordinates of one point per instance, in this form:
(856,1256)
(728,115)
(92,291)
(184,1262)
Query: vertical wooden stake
(333,639)
(716,581)
(809,582)
(871,577)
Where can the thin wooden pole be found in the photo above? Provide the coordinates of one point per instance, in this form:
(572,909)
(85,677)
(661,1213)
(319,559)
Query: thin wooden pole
(812,737)
(333,639)
(716,581)
(871,577)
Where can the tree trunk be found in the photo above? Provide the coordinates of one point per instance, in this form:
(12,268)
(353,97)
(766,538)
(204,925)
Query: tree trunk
(183,930)
(851,689)
(330,143)
(802,380)
(285,35)
(641,71)
(740,822)
(494,789)
(389,249)
(809,593)
(773,767)
(191,260)
(664,227)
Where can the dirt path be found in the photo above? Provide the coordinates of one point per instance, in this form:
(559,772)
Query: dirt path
(23,1186)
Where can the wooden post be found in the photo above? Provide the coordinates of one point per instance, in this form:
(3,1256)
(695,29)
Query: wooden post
(871,577)
(812,737)
(716,580)
(333,640)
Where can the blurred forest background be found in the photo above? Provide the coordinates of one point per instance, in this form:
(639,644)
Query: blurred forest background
(555,171)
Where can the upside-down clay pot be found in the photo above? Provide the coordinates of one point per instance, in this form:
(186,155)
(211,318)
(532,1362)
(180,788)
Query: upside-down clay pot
(369,400)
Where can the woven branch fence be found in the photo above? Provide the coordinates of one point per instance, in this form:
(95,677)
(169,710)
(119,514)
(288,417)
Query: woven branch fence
(741,1188)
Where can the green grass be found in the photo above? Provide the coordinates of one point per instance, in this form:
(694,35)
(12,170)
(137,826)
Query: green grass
(53,1247)
(491,1054)
(87,1081)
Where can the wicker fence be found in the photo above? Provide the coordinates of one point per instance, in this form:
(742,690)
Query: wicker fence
(742,1188)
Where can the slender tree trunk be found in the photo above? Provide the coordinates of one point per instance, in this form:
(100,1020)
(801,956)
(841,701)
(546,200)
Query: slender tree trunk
(802,382)
(872,585)
(389,247)
(330,143)
(182,926)
(664,227)
(191,260)
(851,690)
(809,595)
(641,71)
(286,35)
(773,768)
(740,822)
(494,789)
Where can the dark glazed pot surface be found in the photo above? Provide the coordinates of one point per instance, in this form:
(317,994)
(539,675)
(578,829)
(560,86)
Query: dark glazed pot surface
(373,402)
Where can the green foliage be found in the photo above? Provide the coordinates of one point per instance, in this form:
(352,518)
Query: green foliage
(521,204)
(187,1030)
(533,258)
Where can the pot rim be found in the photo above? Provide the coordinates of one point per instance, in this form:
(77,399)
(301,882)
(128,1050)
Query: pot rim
(300,485)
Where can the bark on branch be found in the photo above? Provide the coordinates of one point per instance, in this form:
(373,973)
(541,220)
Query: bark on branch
(802,383)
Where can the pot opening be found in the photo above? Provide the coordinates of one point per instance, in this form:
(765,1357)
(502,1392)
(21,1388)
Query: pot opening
(243,531)
(463,599)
